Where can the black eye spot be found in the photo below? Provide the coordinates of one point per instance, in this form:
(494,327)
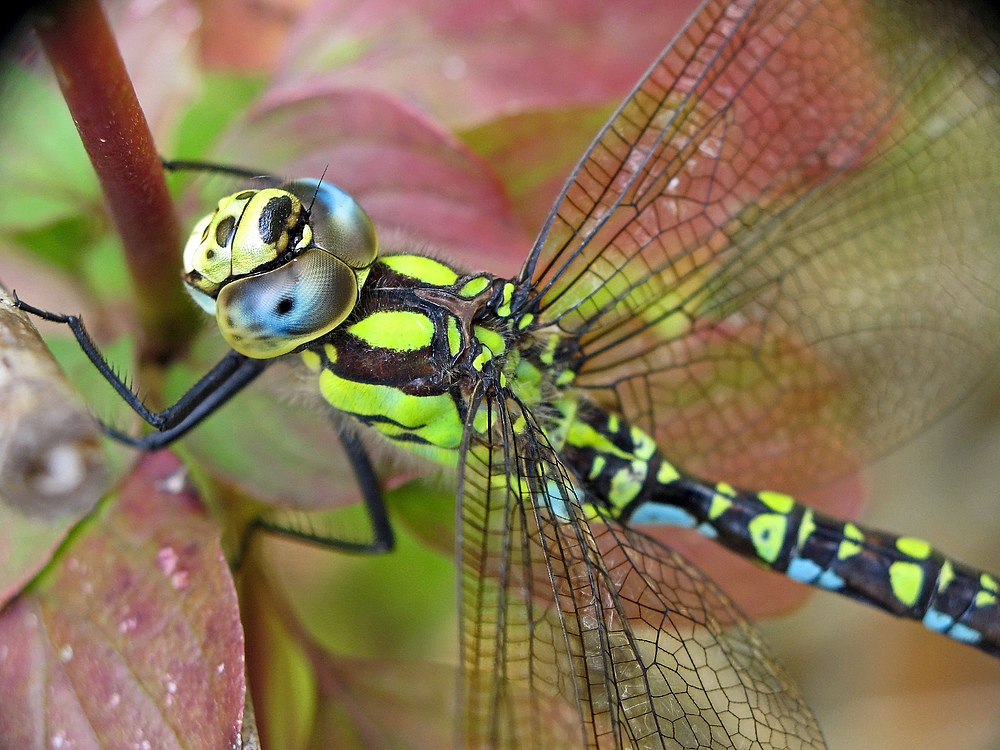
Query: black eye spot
(274,219)
(209,254)
(284,306)
(224,231)
(245,195)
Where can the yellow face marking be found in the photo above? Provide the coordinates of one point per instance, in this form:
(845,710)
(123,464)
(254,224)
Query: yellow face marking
(906,579)
(423,268)
(399,330)
(777,501)
(767,532)
(474,286)
(913,547)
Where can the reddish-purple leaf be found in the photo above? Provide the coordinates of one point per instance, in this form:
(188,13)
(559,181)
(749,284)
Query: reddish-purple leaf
(132,639)
(471,62)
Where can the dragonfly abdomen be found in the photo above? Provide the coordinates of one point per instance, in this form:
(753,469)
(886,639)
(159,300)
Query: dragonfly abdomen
(624,472)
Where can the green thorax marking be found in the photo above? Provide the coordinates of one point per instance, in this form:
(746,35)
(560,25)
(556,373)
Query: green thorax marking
(408,358)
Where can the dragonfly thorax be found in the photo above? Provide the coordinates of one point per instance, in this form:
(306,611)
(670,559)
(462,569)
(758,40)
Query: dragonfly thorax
(280,267)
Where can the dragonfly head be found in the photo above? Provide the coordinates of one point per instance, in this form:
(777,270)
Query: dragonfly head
(280,267)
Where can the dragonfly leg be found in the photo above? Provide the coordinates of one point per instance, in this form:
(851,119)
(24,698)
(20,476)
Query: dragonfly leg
(177,165)
(229,376)
(383,538)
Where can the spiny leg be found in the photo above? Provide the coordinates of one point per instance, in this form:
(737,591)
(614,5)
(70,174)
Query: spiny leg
(229,376)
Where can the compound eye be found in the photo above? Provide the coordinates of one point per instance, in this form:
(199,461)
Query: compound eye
(272,313)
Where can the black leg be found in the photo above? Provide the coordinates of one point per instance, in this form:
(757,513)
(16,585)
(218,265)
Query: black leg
(176,165)
(383,538)
(232,373)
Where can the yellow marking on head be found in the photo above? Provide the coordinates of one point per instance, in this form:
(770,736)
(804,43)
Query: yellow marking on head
(913,547)
(421,267)
(906,579)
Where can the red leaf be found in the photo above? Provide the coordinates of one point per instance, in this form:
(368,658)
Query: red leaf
(133,638)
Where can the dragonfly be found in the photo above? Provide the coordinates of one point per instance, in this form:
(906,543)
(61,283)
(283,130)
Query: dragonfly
(769,232)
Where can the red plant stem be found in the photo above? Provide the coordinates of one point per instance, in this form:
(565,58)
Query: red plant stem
(88,65)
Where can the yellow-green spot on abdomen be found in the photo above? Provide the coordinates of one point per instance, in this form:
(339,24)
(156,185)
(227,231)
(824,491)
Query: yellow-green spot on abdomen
(722,500)
(422,268)
(398,330)
(913,547)
(767,532)
(806,527)
(906,579)
(667,473)
(626,483)
(777,501)
(946,576)
(850,545)
(988,595)
(431,418)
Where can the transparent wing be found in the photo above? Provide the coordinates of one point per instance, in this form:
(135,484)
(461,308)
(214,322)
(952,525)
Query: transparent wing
(781,251)
(583,634)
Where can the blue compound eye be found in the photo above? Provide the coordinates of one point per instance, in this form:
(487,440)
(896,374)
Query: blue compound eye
(272,313)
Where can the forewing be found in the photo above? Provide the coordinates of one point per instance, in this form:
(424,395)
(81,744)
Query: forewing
(778,249)
(580,633)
